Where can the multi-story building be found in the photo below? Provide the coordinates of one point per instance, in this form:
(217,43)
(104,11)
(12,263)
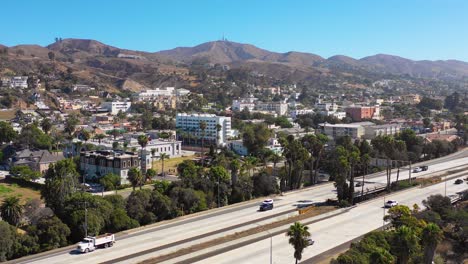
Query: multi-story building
(279,108)
(298,112)
(150,95)
(382,130)
(96,164)
(354,130)
(218,128)
(358,113)
(19,82)
(115,107)
(322,106)
(172,148)
(82,88)
(410,99)
(244,103)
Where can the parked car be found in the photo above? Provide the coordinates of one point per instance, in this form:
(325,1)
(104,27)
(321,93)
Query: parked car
(417,169)
(459,181)
(424,168)
(391,203)
(266,205)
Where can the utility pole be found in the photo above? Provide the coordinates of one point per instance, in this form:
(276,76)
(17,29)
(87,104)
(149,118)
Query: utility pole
(383,218)
(445,186)
(86,220)
(218,193)
(409,172)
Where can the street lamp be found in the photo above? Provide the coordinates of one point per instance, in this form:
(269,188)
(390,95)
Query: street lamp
(271,243)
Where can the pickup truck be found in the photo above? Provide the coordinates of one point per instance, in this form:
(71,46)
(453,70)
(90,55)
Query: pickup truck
(91,243)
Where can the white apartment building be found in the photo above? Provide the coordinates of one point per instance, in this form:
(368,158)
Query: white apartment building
(173,148)
(321,106)
(115,107)
(150,95)
(190,124)
(382,130)
(298,112)
(279,108)
(19,82)
(354,130)
(243,103)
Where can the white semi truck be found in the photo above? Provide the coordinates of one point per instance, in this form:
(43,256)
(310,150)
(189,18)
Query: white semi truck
(90,243)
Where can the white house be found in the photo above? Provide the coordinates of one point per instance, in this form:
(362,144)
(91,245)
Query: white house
(115,107)
(19,82)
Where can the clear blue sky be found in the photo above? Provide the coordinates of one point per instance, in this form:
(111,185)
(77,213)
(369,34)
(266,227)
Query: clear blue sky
(416,29)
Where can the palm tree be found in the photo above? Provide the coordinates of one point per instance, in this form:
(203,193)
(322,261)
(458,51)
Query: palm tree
(11,210)
(365,160)
(135,177)
(99,137)
(404,243)
(202,126)
(431,236)
(298,234)
(143,142)
(249,164)
(162,157)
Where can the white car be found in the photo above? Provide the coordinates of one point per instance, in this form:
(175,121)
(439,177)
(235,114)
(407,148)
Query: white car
(417,169)
(391,203)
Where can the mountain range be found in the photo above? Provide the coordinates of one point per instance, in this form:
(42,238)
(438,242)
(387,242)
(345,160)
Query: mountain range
(94,61)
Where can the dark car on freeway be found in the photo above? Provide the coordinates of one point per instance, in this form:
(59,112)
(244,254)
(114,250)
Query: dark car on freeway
(266,205)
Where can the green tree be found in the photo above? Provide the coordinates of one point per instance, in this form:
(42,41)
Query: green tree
(202,125)
(46,125)
(11,210)
(7,240)
(150,174)
(81,204)
(221,179)
(70,124)
(61,180)
(25,172)
(404,244)
(7,133)
(52,233)
(162,158)
(255,137)
(32,137)
(139,207)
(431,236)
(296,156)
(110,181)
(119,220)
(162,206)
(135,177)
(100,137)
(298,234)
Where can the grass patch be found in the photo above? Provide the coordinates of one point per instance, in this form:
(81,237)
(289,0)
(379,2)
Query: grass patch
(7,114)
(170,164)
(13,189)
(4,189)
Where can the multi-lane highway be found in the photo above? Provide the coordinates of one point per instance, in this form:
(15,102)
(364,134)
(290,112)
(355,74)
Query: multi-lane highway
(329,233)
(169,236)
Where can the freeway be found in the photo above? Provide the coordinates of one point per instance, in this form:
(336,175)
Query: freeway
(168,236)
(328,234)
